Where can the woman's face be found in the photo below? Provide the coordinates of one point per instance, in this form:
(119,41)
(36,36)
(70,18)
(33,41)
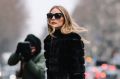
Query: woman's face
(55,18)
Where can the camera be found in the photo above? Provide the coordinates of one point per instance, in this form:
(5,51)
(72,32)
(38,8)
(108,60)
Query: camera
(24,48)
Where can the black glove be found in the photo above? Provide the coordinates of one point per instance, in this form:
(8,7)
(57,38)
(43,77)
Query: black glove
(26,51)
(18,49)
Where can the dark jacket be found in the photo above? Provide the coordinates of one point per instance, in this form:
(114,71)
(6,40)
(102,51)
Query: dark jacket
(64,54)
(34,68)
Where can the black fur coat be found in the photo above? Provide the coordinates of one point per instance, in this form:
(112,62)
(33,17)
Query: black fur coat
(64,54)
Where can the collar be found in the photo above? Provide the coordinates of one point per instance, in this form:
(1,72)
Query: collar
(57,33)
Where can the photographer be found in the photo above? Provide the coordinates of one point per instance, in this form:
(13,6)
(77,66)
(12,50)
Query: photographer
(31,60)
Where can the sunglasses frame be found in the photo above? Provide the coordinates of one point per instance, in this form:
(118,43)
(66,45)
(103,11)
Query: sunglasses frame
(56,15)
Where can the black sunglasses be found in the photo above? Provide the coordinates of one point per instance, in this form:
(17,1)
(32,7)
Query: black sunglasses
(56,15)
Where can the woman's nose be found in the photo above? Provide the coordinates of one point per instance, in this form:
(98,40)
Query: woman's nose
(53,17)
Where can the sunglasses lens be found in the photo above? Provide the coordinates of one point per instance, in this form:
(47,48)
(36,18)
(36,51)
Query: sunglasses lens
(49,15)
(58,15)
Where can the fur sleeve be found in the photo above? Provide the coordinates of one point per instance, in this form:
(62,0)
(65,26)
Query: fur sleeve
(76,53)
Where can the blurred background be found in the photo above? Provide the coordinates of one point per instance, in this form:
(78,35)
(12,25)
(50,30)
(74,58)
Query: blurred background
(101,17)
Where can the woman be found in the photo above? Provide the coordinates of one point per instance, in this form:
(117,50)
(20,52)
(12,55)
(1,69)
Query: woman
(64,49)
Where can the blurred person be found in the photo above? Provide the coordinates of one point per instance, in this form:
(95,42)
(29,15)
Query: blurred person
(115,57)
(31,58)
(64,47)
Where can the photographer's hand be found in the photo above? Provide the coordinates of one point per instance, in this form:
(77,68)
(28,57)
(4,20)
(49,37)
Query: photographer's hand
(31,53)
(18,49)
(27,56)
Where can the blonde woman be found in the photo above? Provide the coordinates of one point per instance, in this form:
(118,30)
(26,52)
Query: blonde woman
(64,49)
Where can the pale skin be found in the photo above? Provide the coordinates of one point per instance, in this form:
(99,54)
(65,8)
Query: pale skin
(56,22)
(33,49)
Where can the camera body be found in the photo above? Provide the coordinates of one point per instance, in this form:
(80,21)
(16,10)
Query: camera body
(24,48)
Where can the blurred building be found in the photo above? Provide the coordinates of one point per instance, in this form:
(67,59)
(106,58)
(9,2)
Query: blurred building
(102,18)
(12,21)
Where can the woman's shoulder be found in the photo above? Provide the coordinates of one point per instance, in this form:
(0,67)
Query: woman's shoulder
(74,36)
(74,39)
(47,38)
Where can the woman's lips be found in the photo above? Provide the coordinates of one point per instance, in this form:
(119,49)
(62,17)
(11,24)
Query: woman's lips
(53,23)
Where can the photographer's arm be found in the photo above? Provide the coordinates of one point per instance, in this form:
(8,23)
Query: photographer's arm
(13,59)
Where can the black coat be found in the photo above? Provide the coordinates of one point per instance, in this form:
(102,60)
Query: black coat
(64,54)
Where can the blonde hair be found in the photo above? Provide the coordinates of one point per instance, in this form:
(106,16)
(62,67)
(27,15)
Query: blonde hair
(69,24)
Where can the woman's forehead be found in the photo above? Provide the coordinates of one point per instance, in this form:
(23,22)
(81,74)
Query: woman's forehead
(55,10)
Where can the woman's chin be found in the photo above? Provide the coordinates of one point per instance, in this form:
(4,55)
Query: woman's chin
(56,26)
